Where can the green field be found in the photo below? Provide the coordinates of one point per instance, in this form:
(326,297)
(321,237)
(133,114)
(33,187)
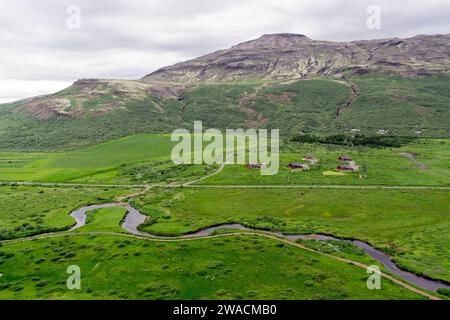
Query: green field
(107,158)
(26,211)
(104,220)
(142,159)
(378,166)
(110,219)
(222,268)
(137,159)
(217,268)
(411,225)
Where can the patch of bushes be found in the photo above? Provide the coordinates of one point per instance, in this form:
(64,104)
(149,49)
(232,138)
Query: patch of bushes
(444,291)
(41,284)
(163,290)
(266,222)
(357,140)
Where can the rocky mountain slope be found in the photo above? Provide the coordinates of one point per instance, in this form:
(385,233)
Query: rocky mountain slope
(293,56)
(96,96)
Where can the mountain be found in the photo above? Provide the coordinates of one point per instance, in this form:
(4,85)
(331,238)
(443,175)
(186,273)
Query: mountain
(292,56)
(285,81)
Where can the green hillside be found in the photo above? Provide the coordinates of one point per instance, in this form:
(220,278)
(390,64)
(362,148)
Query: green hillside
(401,106)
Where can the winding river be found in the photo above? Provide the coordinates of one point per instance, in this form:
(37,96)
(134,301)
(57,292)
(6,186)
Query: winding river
(134,218)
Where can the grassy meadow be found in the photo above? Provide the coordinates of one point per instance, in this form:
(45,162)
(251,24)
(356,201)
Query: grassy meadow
(141,159)
(410,225)
(104,220)
(377,166)
(27,211)
(221,268)
(136,159)
(107,159)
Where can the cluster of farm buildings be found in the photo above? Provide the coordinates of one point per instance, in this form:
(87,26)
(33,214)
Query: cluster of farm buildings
(347,164)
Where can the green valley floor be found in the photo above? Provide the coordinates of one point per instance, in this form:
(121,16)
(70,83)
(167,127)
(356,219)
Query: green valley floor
(398,201)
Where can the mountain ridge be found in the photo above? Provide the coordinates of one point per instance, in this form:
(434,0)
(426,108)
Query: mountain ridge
(287,56)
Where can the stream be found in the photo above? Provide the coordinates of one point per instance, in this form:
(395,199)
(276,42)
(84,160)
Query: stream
(134,218)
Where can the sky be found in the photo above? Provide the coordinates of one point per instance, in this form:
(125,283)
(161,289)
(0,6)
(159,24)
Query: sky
(45,45)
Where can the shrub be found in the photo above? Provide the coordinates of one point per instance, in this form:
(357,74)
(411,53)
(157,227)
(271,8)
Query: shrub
(41,284)
(221,292)
(444,291)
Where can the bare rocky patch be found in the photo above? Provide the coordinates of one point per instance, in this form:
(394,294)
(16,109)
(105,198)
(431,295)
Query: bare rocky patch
(98,96)
(412,157)
(257,119)
(48,109)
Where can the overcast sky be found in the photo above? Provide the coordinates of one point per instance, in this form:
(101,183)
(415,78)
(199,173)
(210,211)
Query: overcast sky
(42,50)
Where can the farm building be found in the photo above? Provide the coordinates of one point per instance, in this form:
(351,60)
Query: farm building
(345,159)
(296,165)
(254,166)
(345,167)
